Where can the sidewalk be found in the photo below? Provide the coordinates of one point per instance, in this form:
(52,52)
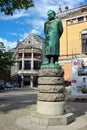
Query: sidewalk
(80,123)
(15,108)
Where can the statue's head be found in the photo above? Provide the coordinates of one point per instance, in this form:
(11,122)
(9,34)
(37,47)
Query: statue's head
(51,14)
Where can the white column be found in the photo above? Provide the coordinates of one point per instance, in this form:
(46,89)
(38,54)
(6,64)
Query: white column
(84,18)
(22,82)
(32,64)
(31,81)
(32,55)
(23,60)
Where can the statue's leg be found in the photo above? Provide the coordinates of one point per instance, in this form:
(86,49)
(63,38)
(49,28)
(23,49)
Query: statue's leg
(55,58)
(51,60)
(48,58)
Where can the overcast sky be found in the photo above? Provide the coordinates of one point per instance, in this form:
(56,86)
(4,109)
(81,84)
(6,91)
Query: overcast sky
(22,23)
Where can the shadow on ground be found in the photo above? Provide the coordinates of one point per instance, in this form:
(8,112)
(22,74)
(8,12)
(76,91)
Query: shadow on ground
(77,107)
(10,103)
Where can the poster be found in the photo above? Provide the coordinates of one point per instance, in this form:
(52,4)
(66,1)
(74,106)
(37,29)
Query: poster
(79,76)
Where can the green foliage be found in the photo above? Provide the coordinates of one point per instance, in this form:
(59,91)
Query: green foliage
(5,62)
(9,6)
(2,46)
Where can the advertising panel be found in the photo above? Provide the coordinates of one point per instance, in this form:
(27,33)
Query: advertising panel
(79,76)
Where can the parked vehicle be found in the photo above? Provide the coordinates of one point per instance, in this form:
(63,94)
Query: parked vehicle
(2,84)
(16,84)
(9,85)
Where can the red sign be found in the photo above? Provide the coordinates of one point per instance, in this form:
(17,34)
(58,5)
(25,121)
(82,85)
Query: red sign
(76,63)
(74,81)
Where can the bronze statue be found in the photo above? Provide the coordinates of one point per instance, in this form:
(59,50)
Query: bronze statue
(53,30)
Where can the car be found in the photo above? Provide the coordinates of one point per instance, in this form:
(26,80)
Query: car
(9,85)
(2,84)
(16,84)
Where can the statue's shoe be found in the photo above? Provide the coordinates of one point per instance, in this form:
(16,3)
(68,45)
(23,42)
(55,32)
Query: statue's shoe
(45,63)
(57,65)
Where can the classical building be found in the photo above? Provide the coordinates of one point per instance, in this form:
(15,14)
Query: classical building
(29,56)
(74,38)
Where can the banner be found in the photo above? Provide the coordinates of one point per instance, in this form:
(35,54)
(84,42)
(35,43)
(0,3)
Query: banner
(79,76)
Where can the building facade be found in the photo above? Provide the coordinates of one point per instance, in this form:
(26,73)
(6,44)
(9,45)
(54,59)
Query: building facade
(29,56)
(73,42)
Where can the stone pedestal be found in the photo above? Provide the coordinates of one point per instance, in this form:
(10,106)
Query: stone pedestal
(51,92)
(51,99)
(49,110)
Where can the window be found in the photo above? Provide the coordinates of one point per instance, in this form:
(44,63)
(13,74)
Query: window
(84,43)
(74,20)
(80,19)
(69,22)
(86,18)
(37,65)
(20,65)
(20,55)
(26,80)
(27,55)
(37,55)
(27,65)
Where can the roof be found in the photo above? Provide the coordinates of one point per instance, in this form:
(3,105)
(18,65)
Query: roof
(38,38)
(31,40)
(71,12)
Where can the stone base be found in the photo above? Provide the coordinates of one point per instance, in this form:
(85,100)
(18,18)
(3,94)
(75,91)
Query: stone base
(51,120)
(50,108)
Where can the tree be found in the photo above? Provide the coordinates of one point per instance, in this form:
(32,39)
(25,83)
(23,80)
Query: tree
(5,61)
(9,6)
(2,46)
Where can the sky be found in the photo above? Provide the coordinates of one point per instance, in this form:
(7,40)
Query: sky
(24,22)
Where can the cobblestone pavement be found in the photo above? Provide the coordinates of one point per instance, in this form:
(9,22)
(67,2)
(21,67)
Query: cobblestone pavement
(16,103)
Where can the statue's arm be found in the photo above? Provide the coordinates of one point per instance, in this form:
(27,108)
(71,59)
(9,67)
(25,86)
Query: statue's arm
(45,28)
(60,28)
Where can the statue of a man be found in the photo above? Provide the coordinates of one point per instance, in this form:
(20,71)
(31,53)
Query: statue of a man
(53,30)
